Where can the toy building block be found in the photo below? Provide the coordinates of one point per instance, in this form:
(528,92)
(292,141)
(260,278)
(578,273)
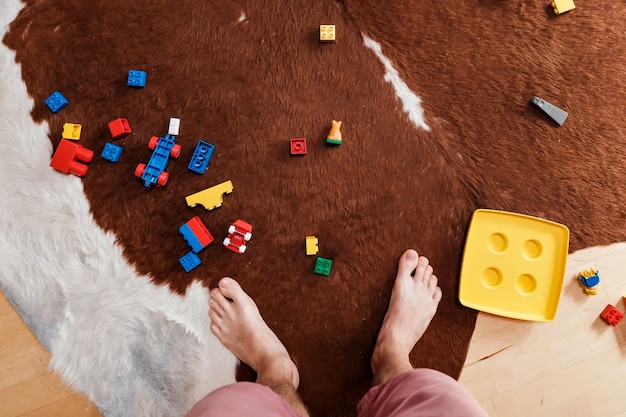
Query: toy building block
(71,158)
(298,146)
(212,197)
(174,126)
(189,261)
(154,172)
(119,128)
(334,136)
(111,152)
(562,6)
(551,110)
(239,233)
(322,266)
(201,157)
(196,234)
(590,280)
(136,78)
(312,245)
(327,33)
(612,315)
(71,131)
(56,102)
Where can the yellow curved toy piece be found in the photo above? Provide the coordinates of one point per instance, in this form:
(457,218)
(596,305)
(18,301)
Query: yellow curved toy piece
(334,136)
(562,6)
(212,197)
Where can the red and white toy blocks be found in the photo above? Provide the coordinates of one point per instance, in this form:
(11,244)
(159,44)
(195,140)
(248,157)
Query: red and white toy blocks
(119,128)
(239,233)
(71,158)
(612,315)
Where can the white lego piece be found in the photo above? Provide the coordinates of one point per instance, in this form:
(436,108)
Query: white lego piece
(174,126)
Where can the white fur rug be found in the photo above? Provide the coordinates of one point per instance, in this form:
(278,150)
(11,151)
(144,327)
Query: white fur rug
(132,347)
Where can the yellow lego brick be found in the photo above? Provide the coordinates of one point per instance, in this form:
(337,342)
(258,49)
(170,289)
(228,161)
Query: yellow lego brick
(311,245)
(327,33)
(71,131)
(562,6)
(212,197)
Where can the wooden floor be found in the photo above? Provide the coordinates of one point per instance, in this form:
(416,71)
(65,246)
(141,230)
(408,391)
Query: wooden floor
(573,366)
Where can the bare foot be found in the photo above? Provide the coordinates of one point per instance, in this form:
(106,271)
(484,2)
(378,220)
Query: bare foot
(237,323)
(414,301)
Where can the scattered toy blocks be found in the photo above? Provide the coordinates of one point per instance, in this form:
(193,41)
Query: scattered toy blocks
(612,315)
(56,102)
(190,261)
(154,173)
(298,146)
(111,152)
(327,33)
(312,245)
(174,126)
(71,158)
(322,266)
(71,131)
(136,78)
(212,197)
(119,128)
(590,280)
(562,6)
(239,233)
(551,110)
(201,157)
(196,234)
(334,136)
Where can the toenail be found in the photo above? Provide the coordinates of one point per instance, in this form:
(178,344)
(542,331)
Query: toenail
(225,282)
(411,255)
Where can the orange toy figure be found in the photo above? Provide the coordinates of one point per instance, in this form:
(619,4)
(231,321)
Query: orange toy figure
(334,136)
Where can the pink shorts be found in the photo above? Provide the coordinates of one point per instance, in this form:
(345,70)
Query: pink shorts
(416,393)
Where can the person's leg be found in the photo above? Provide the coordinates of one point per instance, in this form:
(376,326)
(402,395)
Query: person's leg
(243,399)
(237,323)
(399,390)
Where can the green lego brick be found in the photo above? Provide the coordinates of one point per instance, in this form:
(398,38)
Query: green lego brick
(322,266)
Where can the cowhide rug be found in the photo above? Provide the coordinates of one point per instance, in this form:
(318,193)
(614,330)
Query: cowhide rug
(434,100)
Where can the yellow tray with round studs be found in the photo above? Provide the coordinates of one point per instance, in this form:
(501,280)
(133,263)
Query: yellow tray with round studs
(513,265)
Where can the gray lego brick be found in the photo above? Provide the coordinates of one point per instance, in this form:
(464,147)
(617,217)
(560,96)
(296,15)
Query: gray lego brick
(551,110)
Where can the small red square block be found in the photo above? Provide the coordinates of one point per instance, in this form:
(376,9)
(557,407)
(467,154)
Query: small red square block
(612,315)
(298,146)
(119,128)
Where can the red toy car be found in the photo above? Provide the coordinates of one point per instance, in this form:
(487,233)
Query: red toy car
(239,233)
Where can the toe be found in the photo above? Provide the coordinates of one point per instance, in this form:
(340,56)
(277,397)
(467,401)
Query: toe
(420,270)
(407,263)
(432,282)
(437,295)
(229,288)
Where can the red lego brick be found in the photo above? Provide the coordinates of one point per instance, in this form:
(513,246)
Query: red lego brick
(69,156)
(612,315)
(298,146)
(200,230)
(119,128)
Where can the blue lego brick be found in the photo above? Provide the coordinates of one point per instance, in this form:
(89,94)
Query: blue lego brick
(56,102)
(191,238)
(111,152)
(201,157)
(136,78)
(189,261)
(158,161)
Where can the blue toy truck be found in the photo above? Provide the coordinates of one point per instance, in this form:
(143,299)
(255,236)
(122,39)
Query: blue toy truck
(154,172)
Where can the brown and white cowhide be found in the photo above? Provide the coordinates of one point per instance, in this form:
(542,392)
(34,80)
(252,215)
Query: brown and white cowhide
(434,100)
